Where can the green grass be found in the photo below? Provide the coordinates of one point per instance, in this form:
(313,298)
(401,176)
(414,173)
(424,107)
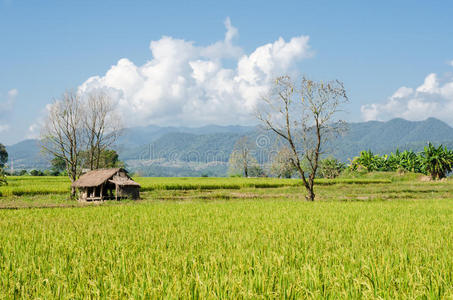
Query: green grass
(377,236)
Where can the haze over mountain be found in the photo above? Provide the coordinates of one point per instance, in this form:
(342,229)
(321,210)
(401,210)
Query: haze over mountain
(183,151)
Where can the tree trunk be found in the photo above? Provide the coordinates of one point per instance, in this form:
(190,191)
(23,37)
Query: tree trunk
(311,194)
(73,192)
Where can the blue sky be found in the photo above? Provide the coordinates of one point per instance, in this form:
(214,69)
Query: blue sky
(395,57)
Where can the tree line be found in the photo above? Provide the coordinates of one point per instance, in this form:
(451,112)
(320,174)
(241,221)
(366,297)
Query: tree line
(434,161)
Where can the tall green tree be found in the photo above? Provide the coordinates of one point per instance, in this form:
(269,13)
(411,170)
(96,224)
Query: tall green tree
(3,161)
(3,156)
(58,165)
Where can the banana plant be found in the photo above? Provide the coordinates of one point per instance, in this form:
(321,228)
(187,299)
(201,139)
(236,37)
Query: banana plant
(436,161)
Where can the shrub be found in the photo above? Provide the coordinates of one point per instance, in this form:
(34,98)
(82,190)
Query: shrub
(330,168)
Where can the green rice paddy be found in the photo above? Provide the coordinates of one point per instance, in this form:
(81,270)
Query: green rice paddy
(378,236)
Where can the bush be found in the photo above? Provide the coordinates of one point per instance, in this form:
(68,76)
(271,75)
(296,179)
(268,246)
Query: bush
(36,173)
(256,171)
(2,177)
(330,168)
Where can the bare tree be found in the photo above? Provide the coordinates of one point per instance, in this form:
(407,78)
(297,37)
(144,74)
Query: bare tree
(102,126)
(80,127)
(62,132)
(241,159)
(305,117)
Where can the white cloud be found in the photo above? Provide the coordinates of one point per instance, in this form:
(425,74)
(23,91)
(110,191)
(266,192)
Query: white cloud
(185,84)
(450,63)
(430,86)
(433,98)
(402,92)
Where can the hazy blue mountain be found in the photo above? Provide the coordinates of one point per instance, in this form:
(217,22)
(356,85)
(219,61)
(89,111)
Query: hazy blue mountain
(27,155)
(178,151)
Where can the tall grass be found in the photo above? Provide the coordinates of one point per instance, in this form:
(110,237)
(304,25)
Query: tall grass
(241,249)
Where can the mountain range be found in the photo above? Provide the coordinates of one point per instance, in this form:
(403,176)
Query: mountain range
(184,151)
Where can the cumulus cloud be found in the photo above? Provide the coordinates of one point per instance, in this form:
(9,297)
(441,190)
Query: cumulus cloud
(433,98)
(186,84)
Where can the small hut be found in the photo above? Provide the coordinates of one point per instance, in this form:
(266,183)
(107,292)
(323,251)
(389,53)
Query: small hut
(107,184)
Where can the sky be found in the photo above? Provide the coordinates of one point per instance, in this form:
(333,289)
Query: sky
(194,63)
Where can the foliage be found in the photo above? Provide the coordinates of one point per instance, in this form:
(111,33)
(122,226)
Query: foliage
(406,160)
(436,161)
(3,161)
(256,171)
(58,165)
(3,156)
(20,173)
(36,173)
(330,168)
(369,161)
(2,177)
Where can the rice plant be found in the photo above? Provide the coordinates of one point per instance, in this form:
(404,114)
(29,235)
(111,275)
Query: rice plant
(242,249)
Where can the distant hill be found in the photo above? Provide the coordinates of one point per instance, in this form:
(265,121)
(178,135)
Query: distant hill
(183,151)
(27,155)
(385,137)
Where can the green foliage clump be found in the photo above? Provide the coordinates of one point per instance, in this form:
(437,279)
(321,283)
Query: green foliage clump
(3,161)
(434,161)
(36,173)
(370,162)
(330,168)
(2,178)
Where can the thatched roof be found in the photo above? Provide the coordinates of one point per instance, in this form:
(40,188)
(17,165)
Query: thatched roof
(124,182)
(98,177)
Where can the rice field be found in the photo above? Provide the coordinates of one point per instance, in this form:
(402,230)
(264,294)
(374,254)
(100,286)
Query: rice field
(45,185)
(383,236)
